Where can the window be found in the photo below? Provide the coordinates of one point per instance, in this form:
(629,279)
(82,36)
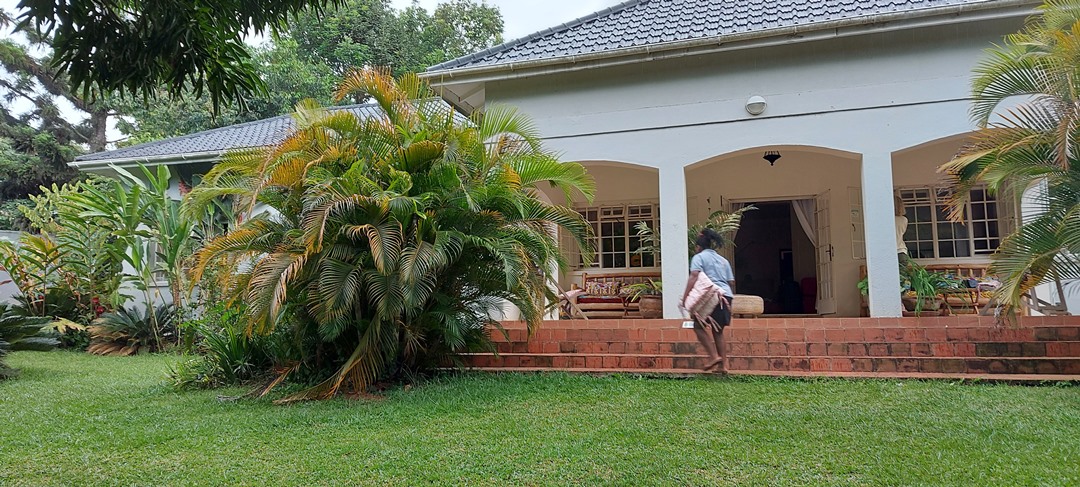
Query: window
(615,237)
(930,234)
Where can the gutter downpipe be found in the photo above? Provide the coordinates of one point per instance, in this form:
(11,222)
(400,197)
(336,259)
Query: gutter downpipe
(684,48)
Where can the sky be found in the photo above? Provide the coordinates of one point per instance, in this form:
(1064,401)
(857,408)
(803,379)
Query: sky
(523,17)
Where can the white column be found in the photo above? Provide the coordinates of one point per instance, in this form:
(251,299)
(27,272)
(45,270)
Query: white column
(675,260)
(882,266)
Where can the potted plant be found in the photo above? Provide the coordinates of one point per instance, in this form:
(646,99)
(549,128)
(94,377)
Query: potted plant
(649,296)
(922,288)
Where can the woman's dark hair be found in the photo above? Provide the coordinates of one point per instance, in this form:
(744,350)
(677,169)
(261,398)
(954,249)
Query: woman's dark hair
(708,239)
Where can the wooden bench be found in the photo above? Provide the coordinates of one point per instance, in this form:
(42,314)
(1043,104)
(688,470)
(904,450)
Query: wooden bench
(611,306)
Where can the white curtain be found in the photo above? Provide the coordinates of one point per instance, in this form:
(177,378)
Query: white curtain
(804,211)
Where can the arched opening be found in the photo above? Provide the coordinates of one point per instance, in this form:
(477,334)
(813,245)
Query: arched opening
(800,250)
(626,195)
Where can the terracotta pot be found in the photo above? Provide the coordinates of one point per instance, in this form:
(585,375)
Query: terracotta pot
(651,307)
(928,304)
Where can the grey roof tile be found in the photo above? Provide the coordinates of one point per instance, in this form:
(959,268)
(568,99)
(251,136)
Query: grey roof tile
(638,23)
(251,134)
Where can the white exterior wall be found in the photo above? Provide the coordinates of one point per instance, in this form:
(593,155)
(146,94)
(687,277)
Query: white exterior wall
(867,96)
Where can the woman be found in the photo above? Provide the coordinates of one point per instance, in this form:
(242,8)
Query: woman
(718,270)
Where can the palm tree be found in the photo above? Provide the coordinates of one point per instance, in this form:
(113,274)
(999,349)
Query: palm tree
(392,239)
(1032,144)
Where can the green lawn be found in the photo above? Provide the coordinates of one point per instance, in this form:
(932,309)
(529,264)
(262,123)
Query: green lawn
(75,419)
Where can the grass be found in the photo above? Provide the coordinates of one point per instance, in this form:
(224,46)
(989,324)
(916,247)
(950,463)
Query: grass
(75,419)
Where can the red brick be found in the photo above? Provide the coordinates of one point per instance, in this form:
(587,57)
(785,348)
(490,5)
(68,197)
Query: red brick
(913,335)
(862,365)
(1046,334)
(894,334)
(997,367)
(759,349)
(628,362)
(935,335)
(738,363)
(955,334)
(900,349)
(1033,349)
(1057,349)
(1046,367)
(874,335)
(594,362)
(1071,367)
(815,336)
(930,365)
(665,348)
(650,347)
(758,363)
(878,350)
(816,350)
(920,350)
(941,349)
(964,349)
(908,365)
(795,334)
(1069,333)
(884,365)
(796,349)
(841,364)
(759,335)
(857,349)
(837,350)
(978,334)
(778,349)
(738,335)
(853,334)
(953,366)
(980,366)
(820,364)
(777,335)
(799,364)
(834,336)
(611,362)
(779,364)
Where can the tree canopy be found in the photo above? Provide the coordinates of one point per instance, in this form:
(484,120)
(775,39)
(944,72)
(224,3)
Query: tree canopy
(136,47)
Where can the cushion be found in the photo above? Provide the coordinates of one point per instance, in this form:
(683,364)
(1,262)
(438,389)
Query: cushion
(602,288)
(599,299)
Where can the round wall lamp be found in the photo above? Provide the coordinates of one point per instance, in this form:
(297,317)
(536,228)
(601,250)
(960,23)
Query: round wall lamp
(755,105)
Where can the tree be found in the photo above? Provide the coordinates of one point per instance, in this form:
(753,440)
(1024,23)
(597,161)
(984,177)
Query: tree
(134,47)
(372,33)
(36,139)
(1035,143)
(317,51)
(289,78)
(393,239)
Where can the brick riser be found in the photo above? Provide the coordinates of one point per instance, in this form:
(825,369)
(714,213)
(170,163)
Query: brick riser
(965,345)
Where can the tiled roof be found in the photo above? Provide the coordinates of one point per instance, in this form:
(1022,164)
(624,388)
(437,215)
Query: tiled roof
(639,23)
(251,134)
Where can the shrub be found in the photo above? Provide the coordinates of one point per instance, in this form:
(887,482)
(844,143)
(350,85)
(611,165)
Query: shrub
(21,332)
(128,331)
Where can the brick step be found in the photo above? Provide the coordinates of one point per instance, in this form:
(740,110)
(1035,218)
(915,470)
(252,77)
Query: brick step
(650,372)
(946,349)
(1004,378)
(955,365)
(911,334)
(676,348)
(586,361)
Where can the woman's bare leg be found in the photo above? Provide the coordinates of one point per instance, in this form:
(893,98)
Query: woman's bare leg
(705,336)
(718,339)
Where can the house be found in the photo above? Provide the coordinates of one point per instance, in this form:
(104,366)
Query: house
(817,112)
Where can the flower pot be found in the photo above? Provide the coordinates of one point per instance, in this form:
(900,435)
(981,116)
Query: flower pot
(928,304)
(651,306)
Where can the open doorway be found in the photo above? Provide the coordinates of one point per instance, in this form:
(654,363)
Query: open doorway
(775,257)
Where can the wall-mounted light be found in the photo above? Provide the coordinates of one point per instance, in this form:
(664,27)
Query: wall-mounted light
(771,156)
(756,105)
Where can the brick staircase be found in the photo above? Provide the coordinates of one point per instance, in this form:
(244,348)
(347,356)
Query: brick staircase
(1038,348)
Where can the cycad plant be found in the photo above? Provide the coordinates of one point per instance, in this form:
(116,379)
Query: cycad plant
(392,239)
(1033,144)
(21,332)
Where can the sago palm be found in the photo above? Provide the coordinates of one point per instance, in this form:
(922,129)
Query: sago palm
(1032,145)
(392,239)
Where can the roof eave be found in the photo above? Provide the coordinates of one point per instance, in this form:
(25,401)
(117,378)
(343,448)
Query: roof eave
(949,14)
(169,159)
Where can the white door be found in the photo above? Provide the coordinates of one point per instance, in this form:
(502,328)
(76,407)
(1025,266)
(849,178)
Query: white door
(826,300)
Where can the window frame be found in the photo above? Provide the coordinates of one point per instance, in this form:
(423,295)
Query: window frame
(936,196)
(625,208)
